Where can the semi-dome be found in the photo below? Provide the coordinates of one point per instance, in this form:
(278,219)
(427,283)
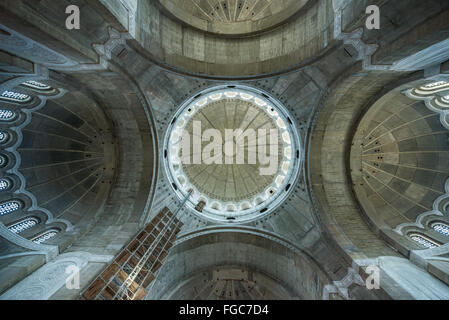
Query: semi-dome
(233,17)
(59,160)
(399,159)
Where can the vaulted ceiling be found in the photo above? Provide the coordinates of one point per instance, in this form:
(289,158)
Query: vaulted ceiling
(233,17)
(372,160)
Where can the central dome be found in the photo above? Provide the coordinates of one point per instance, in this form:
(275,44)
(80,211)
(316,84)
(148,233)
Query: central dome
(237,149)
(231,182)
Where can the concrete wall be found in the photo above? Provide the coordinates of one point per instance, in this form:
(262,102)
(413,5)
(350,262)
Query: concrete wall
(185,48)
(293,271)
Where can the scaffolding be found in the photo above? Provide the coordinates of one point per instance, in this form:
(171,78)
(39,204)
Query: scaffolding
(136,265)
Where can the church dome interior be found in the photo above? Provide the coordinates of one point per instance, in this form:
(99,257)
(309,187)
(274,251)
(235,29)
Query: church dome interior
(224,150)
(249,184)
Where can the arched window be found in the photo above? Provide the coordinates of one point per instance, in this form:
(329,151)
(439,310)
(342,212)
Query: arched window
(435,84)
(5,184)
(15,96)
(7,115)
(36,85)
(433,87)
(424,241)
(441,228)
(9,207)
(23,225)
(3,161)
(4,136)
(45,236)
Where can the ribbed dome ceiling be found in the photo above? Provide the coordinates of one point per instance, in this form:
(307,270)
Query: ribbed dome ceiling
(231,182)
(236,149)
(400,160)
(63,157)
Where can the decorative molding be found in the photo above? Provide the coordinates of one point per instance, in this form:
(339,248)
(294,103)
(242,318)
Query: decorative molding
(40,73)
(430,100)
(342,287)
(50,252)
(431,56)
(104,51)
(183,237)
(412,279)
(145,101)
(131,6)
(365,51)
(438,204)
(26,48)
(47,280)
(115,39)
(22,254)
(422,257)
